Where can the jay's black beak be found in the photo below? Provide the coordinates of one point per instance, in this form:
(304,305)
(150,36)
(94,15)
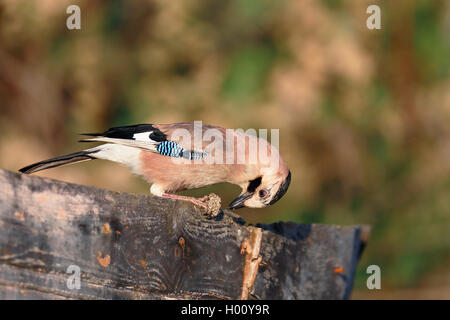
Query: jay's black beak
(239,201)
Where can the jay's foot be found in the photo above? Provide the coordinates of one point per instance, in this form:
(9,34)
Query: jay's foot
(213,202)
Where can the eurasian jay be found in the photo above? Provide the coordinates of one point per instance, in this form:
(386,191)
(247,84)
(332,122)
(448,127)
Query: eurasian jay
(166,156)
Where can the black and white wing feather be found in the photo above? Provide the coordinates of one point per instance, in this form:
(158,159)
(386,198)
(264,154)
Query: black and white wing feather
(145,136)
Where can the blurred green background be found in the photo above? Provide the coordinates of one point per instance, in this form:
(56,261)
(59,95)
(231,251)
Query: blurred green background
(364,115)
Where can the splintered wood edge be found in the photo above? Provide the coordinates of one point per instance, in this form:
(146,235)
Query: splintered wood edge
(250,248)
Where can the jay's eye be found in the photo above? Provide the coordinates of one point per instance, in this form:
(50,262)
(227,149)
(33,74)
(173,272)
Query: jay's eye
(263,193)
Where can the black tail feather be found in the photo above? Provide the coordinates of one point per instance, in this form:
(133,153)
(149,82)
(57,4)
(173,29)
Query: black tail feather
(91,134)
(58,161)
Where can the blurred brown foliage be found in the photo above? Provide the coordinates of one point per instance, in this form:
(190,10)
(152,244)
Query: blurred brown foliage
(363,114)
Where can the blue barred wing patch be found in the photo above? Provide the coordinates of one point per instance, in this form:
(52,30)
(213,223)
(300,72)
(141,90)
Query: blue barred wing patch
(173,149)
(170,148)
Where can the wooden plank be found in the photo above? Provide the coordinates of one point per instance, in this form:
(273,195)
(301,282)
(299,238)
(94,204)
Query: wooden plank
(131,246)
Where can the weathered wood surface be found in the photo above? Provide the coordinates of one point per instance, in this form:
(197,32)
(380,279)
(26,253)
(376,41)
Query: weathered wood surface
(131,246)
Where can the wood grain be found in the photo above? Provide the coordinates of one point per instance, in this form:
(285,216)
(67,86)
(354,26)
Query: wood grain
(131,246)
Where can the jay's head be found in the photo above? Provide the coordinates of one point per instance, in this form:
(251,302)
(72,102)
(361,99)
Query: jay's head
(263,191)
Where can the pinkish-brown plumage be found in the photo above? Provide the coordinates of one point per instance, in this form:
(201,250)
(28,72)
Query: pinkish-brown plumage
(196,155)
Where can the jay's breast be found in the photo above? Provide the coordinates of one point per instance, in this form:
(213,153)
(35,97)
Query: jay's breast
(179,174)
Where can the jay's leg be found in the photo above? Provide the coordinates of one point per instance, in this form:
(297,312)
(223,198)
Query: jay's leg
(197,202)
(160,192)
